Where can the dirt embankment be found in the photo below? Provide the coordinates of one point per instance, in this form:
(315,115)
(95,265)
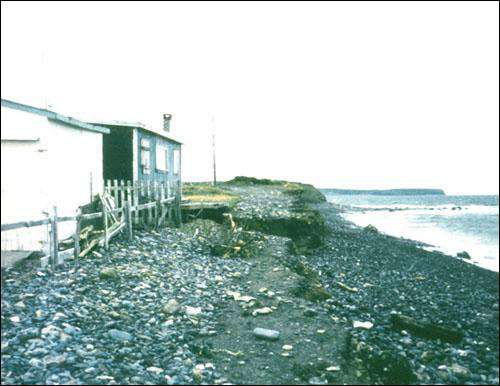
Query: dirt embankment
(278,291)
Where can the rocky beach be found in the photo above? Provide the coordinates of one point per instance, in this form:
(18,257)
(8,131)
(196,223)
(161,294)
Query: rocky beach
(282,291)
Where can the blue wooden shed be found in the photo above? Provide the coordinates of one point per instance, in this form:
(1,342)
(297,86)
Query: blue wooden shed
(136,152)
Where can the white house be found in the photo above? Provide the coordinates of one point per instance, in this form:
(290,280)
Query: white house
(47,159)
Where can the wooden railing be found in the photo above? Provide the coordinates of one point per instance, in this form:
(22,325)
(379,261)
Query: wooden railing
(138,203)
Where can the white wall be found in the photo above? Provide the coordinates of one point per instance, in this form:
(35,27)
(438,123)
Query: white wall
(55,170)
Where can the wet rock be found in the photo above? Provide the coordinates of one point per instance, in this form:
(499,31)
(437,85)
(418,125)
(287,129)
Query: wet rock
(172,307)
(310,312)
(121,336)
(317,381)
(29,333)
(108,273)
(458,370)
(464,255)
(365,325)
(264,333)
(193,311)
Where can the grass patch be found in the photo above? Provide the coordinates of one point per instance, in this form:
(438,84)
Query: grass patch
(206,192)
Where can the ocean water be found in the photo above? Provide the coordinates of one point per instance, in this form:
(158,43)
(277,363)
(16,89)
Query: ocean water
(450,224)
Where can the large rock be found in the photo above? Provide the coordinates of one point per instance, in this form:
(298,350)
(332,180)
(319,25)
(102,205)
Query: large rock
(172,307)
(463,255)
(264,333)
(108,273)
(121,336)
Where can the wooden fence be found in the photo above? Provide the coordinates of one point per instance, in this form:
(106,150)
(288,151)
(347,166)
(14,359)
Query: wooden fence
(148,204)
(141,192)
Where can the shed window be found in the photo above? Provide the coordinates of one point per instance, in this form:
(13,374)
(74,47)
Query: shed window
(161,158)
(145,163)
(177,161)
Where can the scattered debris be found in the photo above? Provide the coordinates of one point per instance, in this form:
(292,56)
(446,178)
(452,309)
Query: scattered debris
(347,288)
(358,324)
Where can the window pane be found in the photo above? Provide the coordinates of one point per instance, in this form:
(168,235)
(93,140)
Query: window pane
(176,161)
(160,158)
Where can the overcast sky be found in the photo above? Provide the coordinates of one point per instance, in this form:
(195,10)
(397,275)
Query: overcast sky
(346,95)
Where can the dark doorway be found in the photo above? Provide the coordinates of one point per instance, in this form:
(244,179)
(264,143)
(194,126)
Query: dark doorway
(118,154)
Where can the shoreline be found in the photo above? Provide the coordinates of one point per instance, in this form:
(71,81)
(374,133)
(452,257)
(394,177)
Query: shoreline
(479,253)
(168,307)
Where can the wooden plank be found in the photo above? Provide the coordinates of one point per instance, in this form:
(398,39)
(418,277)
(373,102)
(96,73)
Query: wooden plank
(148,205)
(128,219)
(55,241)
(90,187)
(105,224)
(129,193)
(77,237)
(109,189)
(115,191)
(135,201)
(426,329)
(99,240)
(162,191)
(165,211)
(150,196)
(107,200)
(122,195)
(115,229)
(24,224)
(66,218)
(157,208)
(178,203)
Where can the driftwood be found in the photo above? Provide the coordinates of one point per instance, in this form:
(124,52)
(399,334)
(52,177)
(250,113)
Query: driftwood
(426,329)
(99,238)
(230,241)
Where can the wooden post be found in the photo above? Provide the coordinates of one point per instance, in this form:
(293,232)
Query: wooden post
(162,191)
(77,236)
(122,195)
(129,193)
(135,202)
(128,219)
(51,242)
(55,244)
(115,186)
(91,187)
(157,199)
(213,149)
(178,205)
(105,223)
(150,199)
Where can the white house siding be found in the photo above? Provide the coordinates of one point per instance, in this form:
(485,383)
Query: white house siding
(36,175)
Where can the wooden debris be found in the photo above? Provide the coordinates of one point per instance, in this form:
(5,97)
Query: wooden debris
(426,329)
(347,288)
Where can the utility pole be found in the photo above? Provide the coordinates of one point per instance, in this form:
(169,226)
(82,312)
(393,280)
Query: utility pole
(213,151)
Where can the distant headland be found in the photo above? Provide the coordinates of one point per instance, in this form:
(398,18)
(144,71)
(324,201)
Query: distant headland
(388,192)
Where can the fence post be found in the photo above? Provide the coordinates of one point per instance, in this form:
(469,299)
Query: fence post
(77,236)
(115,186)
(178,203)
(128,219)
(107,186)
(135,201)
(55,244)
(105,222)
(122,194)
(90,187)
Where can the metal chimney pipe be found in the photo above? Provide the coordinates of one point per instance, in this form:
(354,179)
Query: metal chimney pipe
(166,122)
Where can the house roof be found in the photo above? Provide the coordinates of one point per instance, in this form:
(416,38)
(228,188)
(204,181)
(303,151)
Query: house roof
(55,116)
(141,125)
